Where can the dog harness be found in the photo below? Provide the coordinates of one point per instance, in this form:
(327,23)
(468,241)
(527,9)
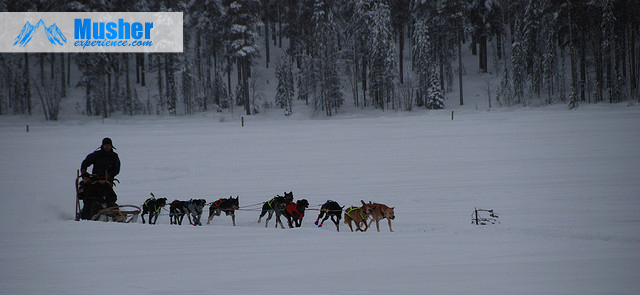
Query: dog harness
(155,205)
(271,201)
(218,204)
(351,209)
(293,208)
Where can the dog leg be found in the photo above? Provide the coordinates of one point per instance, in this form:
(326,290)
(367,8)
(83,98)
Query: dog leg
(318,219)
(348,222)
(233,218)
(299,223)
(365,226)
(289,222)
(323,220)
(263,213)
(266,222)
(278,220)
(211,214)
(389,220)
(336,221)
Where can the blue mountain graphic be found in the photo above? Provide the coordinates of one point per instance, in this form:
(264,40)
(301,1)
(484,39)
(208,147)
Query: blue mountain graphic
(53,33)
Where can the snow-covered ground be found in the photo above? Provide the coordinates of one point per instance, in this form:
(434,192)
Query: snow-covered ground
(566,185)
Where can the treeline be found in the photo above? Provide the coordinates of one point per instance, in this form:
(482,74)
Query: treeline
(556,51)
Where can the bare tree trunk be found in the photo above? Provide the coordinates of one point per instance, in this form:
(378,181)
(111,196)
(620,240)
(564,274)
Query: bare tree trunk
(63,84)
(209,87)
(137,55)
(87,106)
(633,60)
(69,70)
(460,66)
(401,55)
(129,98)
(364,83)
(143,81)
(52,65)
(572,60)
(26,78)
(483,53)
(107,102)
(265,20)
(42,68)
(355,79)
(229,76)
(161,95)
(245,82)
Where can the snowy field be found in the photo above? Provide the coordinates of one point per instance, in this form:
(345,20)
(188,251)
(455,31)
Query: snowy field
(566,185)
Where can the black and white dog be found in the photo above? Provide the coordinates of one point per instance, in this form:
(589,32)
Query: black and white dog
(228,206)
(277,205)
(330,209)
(152,206)
(194,208)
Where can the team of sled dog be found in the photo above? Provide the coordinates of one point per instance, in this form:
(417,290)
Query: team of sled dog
(280,205)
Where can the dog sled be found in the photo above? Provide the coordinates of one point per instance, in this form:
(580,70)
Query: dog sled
(119,213)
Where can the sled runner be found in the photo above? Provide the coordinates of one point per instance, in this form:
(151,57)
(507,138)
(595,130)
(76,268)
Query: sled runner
(77,197)
(123,213)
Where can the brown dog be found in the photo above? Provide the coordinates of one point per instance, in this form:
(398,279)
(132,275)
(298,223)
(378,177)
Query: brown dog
(358,215)
(381,211)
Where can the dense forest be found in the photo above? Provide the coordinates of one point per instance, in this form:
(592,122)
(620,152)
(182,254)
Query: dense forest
(385,54)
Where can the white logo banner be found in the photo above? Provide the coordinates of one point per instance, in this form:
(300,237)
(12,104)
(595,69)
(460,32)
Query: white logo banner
(91,32)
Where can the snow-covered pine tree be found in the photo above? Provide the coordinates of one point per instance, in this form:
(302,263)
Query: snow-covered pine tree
(549,67)
(210,23)
(400,18)
(94,69)
(358,32)
(383,57)
(171,91)
(435,98)
(519,64)
(306,80)
(243,40)
(531,44)
(285,90)
(608,31)
(422,57)
(478,23)
(328,98)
